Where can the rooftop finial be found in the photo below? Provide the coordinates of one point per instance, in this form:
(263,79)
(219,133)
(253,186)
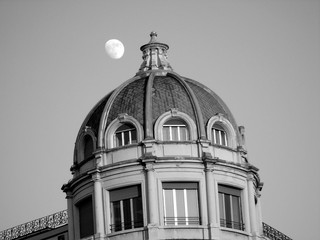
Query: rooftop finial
(153,36)
(154,55)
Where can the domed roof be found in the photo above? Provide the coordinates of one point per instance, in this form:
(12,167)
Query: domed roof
(154,90)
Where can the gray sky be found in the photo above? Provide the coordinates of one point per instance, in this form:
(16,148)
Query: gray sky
(261,57)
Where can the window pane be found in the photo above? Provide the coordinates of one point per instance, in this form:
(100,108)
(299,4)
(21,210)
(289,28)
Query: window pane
(166,134)
(214,140)
(217,136)
(221,207)
(183,134)
(127,214)
(137,212)
(175,122)
(125,127)
(118,139)
(180,207)
(193,207)
(228,210)
(174,132)
(169,212)
(223,138)
(236,212)
(134,136)
(126,137)
(116,210)
(86,217)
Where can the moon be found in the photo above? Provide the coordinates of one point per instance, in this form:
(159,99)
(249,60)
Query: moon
(114,48)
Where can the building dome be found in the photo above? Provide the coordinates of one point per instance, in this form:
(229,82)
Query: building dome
(155,90)
(161,157)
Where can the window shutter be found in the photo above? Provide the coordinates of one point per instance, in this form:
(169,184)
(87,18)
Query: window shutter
(125,193)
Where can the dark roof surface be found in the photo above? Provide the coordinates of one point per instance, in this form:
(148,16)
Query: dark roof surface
(168,92)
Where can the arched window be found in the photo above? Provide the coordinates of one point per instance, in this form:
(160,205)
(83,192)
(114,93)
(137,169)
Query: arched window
(219,135)
(87,146)
(124,135)
(221,132)
(175,130)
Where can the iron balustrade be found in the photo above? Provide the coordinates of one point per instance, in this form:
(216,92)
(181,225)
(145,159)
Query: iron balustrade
(231,224)
(273,234)
(181,221)
(52,221)
(60,219)
(125,226)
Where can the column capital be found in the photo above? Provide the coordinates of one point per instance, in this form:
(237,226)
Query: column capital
(208,168)
(250,177)
(149,167)
(95,174)
(69,195)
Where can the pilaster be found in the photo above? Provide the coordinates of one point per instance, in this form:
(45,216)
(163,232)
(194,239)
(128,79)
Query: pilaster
(98,207)
(69,198)
(252,210)
(213,224)
(153,218)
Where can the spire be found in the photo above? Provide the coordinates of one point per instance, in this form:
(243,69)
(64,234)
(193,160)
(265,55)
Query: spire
(154,55)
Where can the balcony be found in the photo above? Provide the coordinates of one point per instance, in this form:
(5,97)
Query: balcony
(47,223)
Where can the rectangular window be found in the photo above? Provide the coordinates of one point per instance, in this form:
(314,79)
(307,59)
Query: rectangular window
(86,217)
(126,208)
(181,205)
(230,207)
(175,133)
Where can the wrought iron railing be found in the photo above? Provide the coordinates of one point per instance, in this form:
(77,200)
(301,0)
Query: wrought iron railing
(231,224)
(49,222)
(181,221)
(273,234)
(125,225)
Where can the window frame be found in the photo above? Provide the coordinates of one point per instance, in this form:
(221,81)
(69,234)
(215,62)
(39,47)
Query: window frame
(227,195)
(222,140)
(185,219)
(130,132)
(175,114)
(83,203)
(109,139)
(178,127)
(120,196)
(220,121)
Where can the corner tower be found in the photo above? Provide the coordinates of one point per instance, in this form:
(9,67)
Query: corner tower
(161,157)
